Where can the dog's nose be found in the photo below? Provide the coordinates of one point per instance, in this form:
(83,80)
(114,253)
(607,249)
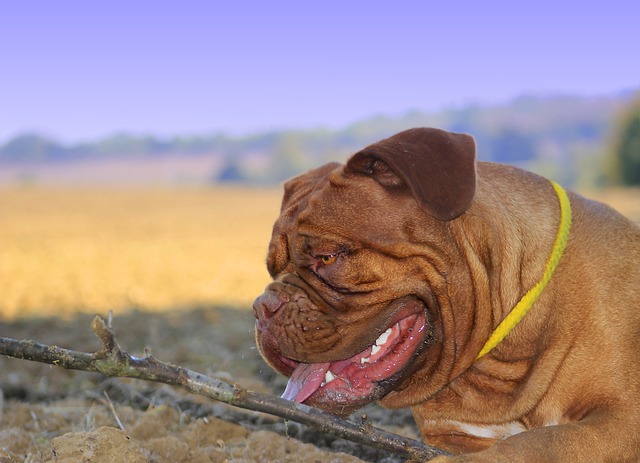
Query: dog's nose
(268,304)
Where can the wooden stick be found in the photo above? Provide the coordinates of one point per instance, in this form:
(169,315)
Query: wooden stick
(111,360)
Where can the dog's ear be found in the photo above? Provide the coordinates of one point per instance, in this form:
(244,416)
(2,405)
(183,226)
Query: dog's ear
(437,166)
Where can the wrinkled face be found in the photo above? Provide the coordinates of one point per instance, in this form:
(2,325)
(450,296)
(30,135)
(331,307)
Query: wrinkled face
(352,311)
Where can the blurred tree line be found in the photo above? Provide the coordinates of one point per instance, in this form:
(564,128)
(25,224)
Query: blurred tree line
(623,162)
(566,138)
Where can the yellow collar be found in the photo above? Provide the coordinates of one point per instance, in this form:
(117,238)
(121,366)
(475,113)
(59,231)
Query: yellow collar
(523,306)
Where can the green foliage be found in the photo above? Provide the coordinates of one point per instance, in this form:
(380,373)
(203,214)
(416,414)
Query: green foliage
(624,162)
(231,173)
(30,148)
(565,137)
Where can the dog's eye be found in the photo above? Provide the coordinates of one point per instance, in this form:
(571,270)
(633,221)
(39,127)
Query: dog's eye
(328,259)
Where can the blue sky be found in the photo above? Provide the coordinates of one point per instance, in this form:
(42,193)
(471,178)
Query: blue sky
(78,70)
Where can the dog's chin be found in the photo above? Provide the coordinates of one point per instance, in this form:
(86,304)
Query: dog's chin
(343,386)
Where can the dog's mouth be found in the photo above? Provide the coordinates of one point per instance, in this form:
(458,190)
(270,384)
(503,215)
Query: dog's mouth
(344,385)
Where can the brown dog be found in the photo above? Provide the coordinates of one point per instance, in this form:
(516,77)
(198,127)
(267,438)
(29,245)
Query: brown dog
(391,273)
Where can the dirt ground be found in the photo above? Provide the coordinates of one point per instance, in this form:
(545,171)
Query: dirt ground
(54,415)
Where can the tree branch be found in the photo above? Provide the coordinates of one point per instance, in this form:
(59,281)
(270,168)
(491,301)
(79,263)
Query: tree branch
(111,360)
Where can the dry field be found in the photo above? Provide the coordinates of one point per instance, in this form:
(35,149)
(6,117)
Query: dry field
(626,201)
(94,250)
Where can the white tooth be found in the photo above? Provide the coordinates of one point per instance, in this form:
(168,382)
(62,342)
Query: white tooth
(375,349)
(365,360)
(328,377)
(383,337)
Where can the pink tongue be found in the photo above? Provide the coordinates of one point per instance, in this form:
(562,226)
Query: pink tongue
(305,380)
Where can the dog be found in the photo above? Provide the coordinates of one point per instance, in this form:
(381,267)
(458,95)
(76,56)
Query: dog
(502,309)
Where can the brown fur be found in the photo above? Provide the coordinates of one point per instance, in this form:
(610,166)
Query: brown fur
(567,378)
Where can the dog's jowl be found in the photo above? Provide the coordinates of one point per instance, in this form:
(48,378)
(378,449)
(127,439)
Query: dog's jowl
(504,310)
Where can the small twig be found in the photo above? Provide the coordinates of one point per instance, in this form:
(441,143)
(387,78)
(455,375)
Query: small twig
(113,411)
(36,423)
(111,360)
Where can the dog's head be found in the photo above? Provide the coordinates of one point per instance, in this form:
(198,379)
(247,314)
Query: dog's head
(359,257)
